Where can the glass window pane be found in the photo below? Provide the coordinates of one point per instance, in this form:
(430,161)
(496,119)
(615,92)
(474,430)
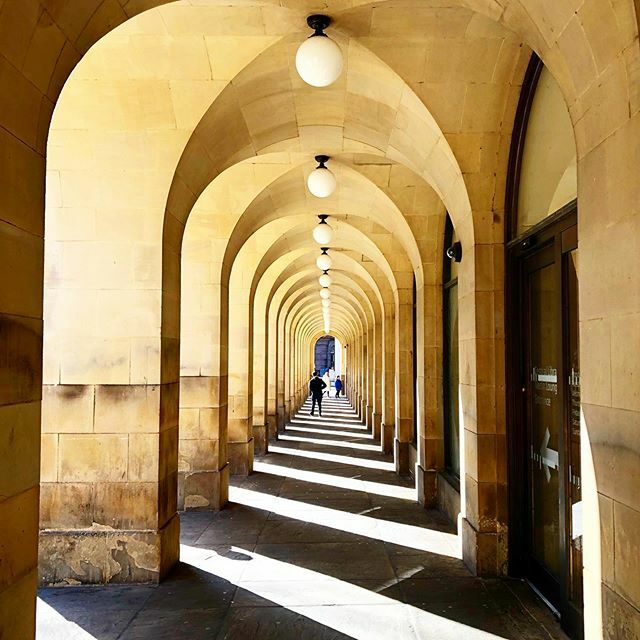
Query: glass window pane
(548,176)
(545,429)
(451,429)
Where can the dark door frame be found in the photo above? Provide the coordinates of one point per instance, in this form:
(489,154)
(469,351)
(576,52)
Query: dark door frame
(549,232)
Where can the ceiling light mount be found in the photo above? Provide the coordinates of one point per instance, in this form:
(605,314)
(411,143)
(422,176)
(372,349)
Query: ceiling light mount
(318,22)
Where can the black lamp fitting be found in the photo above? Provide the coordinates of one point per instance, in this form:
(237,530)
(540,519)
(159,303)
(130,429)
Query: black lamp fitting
(454,252)
(318,23)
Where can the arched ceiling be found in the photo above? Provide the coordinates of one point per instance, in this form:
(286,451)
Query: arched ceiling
(195,101)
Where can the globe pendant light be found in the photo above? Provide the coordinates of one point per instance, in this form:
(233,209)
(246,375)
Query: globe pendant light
(323,261)
(326,303)
(325,294)
(321,181)
(319,59)
(323,233)
(325,280)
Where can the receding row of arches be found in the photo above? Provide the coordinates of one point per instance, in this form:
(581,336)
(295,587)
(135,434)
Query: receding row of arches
(178,272)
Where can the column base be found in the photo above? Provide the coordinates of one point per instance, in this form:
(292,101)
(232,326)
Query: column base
(387,433)
(377,426)
(260,439)
(402,457)
(369,414)
(240,458)
(203,490)
(427,486)
(481,551)
(99,556)
(272,425)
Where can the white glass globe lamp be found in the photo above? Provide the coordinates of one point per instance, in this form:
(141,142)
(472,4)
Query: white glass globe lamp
(325,294)
(323,261)
(321,181)
(323,233)
(326,304)
(319,59)
(325,280)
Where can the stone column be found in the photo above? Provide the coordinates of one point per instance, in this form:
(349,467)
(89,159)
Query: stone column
(240,400)
(109,489)
(378,371)
(431,434)
(271,385)
(260,429)
(404,380)
(481,344)
(370,377)
(203,471)
(388,383)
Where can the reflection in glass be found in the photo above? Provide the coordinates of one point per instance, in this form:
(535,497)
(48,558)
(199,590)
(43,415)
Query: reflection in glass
(452,429)
(575,475)
(451,367)
(545,430)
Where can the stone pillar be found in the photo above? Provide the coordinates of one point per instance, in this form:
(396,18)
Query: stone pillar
(404,379)
(260,428)
(481,344)
(271,378)
(432,433)
(109,487)
(203,477)
(240,399)
(20,392)
(279,375)
(378,370)
(388,383)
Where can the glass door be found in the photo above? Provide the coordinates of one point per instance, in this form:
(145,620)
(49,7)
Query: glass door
(547,511)
(544,423)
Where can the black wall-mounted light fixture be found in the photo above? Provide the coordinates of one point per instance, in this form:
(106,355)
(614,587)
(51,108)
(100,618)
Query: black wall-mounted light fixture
(454,252)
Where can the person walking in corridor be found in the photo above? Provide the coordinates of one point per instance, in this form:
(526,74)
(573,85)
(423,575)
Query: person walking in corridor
(338,386)
(316,386)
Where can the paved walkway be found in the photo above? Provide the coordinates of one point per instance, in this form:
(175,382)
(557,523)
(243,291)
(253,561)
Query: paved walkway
(323,542)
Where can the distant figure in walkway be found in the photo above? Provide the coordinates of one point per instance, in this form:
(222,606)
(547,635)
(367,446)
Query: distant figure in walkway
(327,381)
(316,387)
(338,385)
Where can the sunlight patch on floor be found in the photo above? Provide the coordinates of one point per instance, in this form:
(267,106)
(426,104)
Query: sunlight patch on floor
(331,443)
(334,457)
(56,625)
(405,535)
(336,604)
(328,422)
(330,432)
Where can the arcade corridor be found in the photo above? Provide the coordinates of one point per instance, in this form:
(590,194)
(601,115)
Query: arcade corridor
(433,204)
(323,542)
